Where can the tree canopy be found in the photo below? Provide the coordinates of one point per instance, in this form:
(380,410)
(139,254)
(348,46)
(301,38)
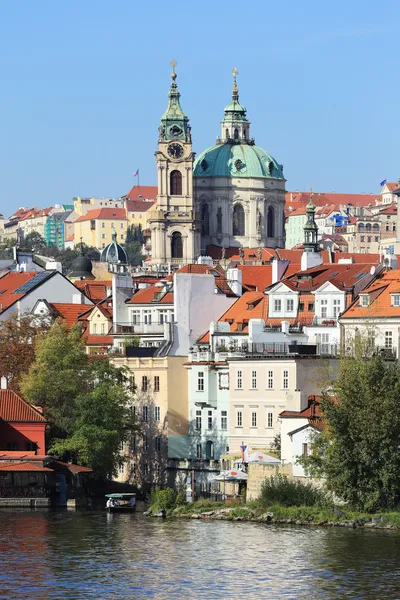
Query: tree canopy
(86,401)
(358,450)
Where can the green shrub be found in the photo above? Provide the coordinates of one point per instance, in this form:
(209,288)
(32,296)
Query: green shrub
(163,499)
(180,499)
(279,489)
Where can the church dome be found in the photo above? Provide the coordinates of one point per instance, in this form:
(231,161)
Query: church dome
(81,268)
(237,160)
(113,253)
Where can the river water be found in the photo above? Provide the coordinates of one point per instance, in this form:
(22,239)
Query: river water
(96,555)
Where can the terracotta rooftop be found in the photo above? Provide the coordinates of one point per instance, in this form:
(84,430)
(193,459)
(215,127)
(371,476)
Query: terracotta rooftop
(256,277)
(147,295)
(108,214)
(95,290)
(149,192)
(70,312)
(14,409)
(312,413)
(24,467)
(73,468)
(380,297)
(14,286)
(139,205)
(324,198)
(343,276)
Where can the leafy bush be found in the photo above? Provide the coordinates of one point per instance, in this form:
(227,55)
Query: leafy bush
(180,499)
(279,489)
(163,499)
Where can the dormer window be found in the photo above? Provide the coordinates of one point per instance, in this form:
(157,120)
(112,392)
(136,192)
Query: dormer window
(395,299)
(364,300)
(277,305)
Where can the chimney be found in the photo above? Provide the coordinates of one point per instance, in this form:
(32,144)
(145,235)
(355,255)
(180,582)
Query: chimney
(3,383)
(278,269)
(234,277)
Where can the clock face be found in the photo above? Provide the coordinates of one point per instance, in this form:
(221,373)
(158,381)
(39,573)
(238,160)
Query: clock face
(175,150)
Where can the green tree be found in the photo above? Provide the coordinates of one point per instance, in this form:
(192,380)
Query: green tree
(134,253)
(358,449)
(86,401)
(35,242)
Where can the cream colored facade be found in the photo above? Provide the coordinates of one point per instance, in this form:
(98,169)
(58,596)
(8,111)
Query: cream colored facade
(161,406)
(1,229)
(141,217)
(260,389)
(83,205)
(98,232)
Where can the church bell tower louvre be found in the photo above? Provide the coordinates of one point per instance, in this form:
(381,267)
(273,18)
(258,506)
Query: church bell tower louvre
(175,226)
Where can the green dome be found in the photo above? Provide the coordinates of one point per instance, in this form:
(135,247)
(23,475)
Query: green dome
(237,160)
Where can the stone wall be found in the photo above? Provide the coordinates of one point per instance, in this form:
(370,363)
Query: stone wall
(24,502)
(256,475)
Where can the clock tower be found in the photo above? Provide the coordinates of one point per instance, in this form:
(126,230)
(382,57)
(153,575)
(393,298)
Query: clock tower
(175,226)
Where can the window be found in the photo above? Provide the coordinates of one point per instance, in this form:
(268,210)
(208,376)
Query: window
(200,381)
(157,413)
(176,245)
(132,383)
(135,317)
(369,238)
(198,420)
(92,225)
(336,307)
(176,183)
(205,218)
(239,380)
(121,225)
(270,380)
(270,222)
(254,380)
(112,225)
(210,420)
(156,383)
(145,413)
(270,419)
(224,420)
(219,220)
(239,419)
(147,317)
(122,236)
(396,300)
(277,305)
(364,300)
(311,306)
(362,238)
(290,305)
(94,328)
(103,328)
(376,238)
(121,468)
(103,225)
(238,220)
(305,450)
(146,469)
(301,306)
(145,383)
(388,339)
(324,309)
(145,443)
(103,236)
(254,418)
(157,443)
(236,134)
(285,380)
(198,452)
(133,443)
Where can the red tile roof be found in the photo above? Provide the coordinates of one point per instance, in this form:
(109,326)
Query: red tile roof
(390,209)
(219,276)
(146,295)
(323,198)
(98,340)
(8,284)
(95,290)
(24,467)
(70,312)
(147,191)
(107,214)
(14,409)
(343,276)
(139,205)
(391,185)
(380,298)
(73,468)
(256,277)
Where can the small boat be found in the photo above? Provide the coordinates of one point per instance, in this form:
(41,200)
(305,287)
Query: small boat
(121,502)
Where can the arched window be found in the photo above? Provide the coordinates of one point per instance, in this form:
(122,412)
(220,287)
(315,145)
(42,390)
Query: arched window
(368,227)
(376,227)
(238,220)
(176,245)
(361,227)
(219,220)
(176,183)
(227,134)
(271,222)
(236,134)
(205,217)
(209,450)
(244,134)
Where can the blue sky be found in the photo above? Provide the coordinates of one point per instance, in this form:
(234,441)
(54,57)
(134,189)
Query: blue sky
(83,85)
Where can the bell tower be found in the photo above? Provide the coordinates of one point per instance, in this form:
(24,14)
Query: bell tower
(175,226)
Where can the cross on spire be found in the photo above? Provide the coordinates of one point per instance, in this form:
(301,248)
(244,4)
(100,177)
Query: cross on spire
(235,72)
(173,64)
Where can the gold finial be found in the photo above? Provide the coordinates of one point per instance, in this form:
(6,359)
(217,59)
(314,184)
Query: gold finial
(173,64)
(235,72)
(311,192)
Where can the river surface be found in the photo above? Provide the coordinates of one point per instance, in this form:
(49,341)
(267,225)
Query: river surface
(96,555)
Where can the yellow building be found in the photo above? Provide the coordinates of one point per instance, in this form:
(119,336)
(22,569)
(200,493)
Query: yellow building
(161,407)
(138,203)
(96,227)
(83,205)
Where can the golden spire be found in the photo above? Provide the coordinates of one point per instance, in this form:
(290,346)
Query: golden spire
(235,72)
(173,64)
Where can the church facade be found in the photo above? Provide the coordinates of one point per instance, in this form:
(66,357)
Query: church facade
(232,195)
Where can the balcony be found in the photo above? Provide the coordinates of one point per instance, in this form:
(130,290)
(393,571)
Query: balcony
(138,328)
(273,349)
(386,353)
(324,321)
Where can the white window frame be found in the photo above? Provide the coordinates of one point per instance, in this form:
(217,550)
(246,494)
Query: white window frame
(157,414)
(285,379)
(254,418)
(198,420)
(270,380)
(224,420)
(270,419)
(210,420)
(239,380)
(254,380)
(239,418)
(389,340)
(200,381)
(289,304)
(277,305)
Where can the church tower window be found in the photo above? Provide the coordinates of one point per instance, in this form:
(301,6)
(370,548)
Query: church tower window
(176,183)
(236,134)
(271,222)
(227,134)
(205,217)
(176,245)
(219,220)
(238,220)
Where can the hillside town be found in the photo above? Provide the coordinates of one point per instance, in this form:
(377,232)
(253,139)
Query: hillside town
(229,318)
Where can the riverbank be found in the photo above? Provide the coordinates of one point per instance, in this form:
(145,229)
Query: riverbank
(302,515)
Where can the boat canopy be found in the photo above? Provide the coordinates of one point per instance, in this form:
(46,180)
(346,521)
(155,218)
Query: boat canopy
(120,496)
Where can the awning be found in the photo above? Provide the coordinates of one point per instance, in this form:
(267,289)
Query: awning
(262,459)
